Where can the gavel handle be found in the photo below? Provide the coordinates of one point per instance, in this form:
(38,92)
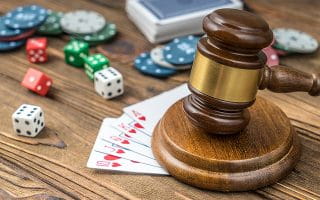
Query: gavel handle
(283,79)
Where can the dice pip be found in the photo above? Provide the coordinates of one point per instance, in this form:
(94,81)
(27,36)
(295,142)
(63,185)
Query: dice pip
(75,52)
(95,63)
(37,81)
(36,50)
(28,120)
(108,83)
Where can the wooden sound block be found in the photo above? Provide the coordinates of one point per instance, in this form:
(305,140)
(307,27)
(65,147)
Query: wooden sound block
(263,153)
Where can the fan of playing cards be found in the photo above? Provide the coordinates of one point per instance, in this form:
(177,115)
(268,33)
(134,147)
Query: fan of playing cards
(124,143)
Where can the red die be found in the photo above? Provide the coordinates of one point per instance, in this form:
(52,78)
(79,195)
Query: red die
(37,81)
(36,50)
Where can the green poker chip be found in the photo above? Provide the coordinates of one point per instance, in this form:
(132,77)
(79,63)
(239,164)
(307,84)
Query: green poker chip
(52,24)
(108,32)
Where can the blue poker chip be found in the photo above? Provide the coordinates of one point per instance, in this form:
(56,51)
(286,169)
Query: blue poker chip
(7,46)
(8,32)
(26,17)
(144,64)
(181,50)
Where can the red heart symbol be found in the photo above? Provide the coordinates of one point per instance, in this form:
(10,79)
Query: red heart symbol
(115,165)
(132,131)
(127,135)
(120,151)
(111,157)
(125,142)
(138,125)
(143,118)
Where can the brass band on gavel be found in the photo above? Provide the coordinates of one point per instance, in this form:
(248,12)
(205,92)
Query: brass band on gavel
(224,82)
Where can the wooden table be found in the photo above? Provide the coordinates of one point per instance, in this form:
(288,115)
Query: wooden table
(54,164)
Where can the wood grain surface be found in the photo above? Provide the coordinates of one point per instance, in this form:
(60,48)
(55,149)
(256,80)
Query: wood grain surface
(52,166)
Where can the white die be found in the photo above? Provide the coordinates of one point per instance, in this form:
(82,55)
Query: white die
(28,120)
(108,83)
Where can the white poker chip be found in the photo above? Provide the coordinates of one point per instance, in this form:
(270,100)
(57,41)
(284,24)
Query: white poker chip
(82,22)
(158,58)
(295,41)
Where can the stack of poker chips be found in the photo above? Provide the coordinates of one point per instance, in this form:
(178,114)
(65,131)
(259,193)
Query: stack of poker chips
(166,60)
(84,25)
(288,41)
(88,26)
(19,24)
(24,21)
(51,27)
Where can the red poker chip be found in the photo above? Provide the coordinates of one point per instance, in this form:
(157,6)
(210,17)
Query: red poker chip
(19,37)
(281,52)
(272,56)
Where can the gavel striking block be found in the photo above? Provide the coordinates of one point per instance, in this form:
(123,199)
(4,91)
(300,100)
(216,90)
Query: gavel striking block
(222,137)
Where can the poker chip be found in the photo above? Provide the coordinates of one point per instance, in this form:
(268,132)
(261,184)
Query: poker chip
(23,35)
(181,50)
(144,64)
(282,52)
(6,46)
(8,32)
(52,24)
(272,57)
(157,57)
(280,47)
(106,33)
(294,41)
(82,22)
(25,17)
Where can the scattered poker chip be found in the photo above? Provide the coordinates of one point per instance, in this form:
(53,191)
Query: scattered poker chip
(52,24)
(145,65)
(158,58)
(281,47)
(23,35)
(281,52)
(8,32)
(106,33)
(294,41)
(181,50)
(82,22)
(272,57)
(26,17)
(7,46)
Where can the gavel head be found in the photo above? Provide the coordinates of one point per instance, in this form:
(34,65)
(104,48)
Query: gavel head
(227,70)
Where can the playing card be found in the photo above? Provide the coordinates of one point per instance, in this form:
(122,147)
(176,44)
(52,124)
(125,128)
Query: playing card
(106,147)
(100,160)
(167,9)
(133,128)
(123,144)
(115,136)
(149,112)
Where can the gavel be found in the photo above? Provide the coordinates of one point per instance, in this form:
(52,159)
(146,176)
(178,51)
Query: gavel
(222,136)
(230,67)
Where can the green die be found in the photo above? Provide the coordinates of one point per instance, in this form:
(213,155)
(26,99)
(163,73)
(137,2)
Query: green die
(95,63)
(89,74)
(75,52)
